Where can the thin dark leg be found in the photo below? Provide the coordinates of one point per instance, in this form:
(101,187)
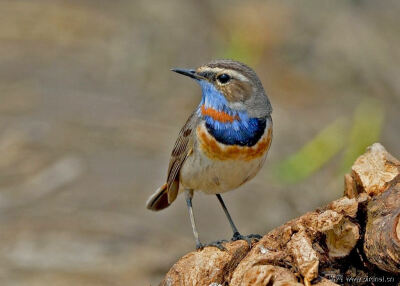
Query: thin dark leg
(236,233)
(233,226)
(189,196)
(199,245)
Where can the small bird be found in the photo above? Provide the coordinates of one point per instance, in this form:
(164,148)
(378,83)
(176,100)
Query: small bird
(223,144)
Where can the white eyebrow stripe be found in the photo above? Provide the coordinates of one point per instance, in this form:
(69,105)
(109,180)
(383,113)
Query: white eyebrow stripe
(238,75)
(232,73)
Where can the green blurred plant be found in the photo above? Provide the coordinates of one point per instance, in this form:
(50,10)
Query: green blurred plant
(241,49)
(314,154)
(365,130)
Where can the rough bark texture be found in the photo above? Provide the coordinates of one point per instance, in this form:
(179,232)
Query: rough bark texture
(352,240)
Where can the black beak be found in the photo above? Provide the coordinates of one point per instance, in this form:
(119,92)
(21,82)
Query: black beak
(189,73)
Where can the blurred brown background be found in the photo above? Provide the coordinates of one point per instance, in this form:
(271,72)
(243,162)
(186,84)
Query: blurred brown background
(90,111)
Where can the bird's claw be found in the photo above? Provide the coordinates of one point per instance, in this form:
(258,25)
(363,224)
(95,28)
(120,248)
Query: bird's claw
(199,246)
(248,238)
(218,244)
(236,236)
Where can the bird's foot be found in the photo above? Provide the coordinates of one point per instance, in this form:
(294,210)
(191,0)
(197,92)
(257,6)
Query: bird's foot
(218,244)
(248,238)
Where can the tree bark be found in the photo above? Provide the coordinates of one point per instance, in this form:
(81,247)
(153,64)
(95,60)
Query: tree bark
(354,240)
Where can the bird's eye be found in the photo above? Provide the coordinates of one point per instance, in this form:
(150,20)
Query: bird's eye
(223,78)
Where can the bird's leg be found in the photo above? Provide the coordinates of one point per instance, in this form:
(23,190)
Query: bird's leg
(233,226)
(236,233)
(199,245)
(189,196)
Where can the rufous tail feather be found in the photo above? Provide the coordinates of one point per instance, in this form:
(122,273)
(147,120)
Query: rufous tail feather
(159,200)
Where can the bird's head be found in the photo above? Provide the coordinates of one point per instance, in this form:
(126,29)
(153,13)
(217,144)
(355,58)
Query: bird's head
(231,87)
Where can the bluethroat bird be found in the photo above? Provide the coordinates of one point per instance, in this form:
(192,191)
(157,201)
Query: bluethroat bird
(224,142)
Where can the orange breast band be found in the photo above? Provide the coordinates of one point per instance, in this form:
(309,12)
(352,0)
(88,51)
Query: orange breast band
(218,115)
(218,151)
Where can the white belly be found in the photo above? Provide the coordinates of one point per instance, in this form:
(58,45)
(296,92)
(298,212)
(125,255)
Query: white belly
(216,168)
(200,173)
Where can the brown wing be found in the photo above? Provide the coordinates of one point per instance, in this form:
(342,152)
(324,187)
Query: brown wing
(183,147)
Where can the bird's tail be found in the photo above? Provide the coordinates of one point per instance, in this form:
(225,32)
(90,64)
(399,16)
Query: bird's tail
(158,200)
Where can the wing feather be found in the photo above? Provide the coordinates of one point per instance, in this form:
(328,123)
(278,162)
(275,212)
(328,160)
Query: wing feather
(182,148)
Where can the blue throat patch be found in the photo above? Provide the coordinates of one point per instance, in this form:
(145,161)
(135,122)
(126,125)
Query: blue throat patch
(243,131)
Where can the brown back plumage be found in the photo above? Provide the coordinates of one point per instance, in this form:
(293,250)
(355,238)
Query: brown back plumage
(167,193)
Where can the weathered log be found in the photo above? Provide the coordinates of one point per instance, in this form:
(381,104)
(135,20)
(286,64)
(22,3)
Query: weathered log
(382,235)
(354,237)
(207,266)
(376,170)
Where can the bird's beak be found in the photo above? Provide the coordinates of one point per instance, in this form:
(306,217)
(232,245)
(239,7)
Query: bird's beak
(189,73)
